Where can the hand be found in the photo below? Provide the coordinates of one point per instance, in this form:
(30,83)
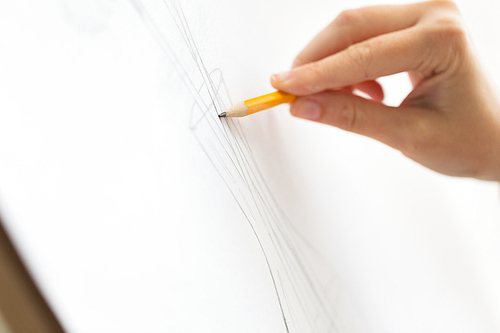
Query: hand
(450,122)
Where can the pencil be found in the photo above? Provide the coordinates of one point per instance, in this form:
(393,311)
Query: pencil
(257,104)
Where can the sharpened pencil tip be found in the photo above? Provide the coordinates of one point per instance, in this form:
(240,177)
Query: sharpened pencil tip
(223,114)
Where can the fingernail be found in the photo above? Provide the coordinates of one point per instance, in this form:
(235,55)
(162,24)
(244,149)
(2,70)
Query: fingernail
(281,76)
(308,110)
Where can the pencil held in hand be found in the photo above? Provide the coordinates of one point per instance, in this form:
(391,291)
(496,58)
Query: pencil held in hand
(257,104)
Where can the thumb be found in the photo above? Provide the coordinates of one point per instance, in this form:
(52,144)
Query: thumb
(398,127)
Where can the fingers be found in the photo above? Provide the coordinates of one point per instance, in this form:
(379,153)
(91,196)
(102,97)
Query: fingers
(353,26)
(392,126)
(415,78)
(372,89)
(395,52)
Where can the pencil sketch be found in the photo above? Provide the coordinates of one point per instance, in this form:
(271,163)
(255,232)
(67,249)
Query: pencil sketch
(305,298)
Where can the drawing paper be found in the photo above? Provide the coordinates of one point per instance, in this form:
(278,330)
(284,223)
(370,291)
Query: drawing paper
(137,209)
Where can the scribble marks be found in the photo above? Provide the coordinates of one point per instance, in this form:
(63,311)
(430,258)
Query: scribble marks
(303,295)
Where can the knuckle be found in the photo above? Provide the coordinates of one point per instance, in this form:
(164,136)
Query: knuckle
(361,56)
(447,41)
(347,115)
(445,4)
(450,33)
(348,17)
(457,41)
(452,22)
(453,29)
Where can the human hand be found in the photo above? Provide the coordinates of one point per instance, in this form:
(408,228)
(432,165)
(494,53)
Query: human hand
(450,122)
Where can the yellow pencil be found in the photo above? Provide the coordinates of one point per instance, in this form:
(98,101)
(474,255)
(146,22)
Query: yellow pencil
(257,104)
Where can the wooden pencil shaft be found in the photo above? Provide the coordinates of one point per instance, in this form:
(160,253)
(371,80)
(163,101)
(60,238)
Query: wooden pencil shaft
(268,101)
(260,103)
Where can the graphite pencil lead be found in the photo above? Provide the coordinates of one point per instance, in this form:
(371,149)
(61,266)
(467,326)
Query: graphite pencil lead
(223,114)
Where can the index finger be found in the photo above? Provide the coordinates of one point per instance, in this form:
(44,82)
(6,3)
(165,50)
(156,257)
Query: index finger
(354,26)
(388,54)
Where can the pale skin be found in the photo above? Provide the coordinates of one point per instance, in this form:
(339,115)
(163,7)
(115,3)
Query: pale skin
(450,122)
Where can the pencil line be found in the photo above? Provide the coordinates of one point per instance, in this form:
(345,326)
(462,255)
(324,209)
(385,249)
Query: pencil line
(301,302)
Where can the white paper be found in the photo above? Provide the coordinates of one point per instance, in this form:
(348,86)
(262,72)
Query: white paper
(137,209)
